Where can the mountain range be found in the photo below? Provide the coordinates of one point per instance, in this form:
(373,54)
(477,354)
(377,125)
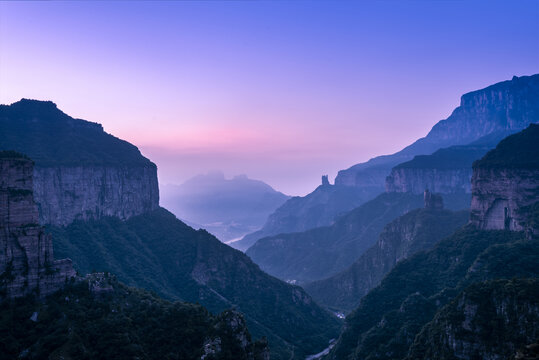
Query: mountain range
(472,295)
(227,208)
(488,114)
(431,252)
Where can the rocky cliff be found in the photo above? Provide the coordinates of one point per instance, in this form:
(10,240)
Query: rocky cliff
(506,106)
(80,172)
(66,193)
(26,257)
(505,183)
(446,171)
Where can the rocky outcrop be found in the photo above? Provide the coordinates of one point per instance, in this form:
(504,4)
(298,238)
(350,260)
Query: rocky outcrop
(505,183)
(67,193)
(231,326)
(26,258)
(81,172)
(499,197)
(508,106)
(433,201)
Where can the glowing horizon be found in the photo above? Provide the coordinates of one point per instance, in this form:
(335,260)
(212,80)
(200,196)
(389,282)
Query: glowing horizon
(281,91)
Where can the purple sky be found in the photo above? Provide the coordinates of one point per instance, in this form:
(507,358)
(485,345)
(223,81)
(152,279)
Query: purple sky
(281,91)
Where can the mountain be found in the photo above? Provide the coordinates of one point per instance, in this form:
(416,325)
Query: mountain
(390,316)
(447,170)
(227,208)
(100,318)
(507,106)
(80,171)
(158,252)
(503,108)
(27,264)
(46,311)
(325,251)
(415,231)
(393,319)
(319,208)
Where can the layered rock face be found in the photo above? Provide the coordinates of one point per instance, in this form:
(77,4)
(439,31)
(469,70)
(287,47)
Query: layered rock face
(499,197)
(67,193)
(446,171)
(443,181)
(26,258)
(81,171)
(505,184)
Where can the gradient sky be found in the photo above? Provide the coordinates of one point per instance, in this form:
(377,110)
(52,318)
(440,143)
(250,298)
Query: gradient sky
(281,91)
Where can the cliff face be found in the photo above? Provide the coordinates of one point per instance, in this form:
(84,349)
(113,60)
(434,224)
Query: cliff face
(66,193)
(81,171)
(506,106)
(443,181)
(26,258)
(499,197)
(505,183)
(448,170)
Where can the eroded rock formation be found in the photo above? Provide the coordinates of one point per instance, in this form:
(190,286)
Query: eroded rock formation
(505,184)
(26,258)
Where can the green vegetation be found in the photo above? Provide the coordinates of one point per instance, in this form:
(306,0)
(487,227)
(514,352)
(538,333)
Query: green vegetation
(325,251)
(417,230)
(158,252)
(486,319)
(520,150)
(116,323)
(50,137)
(378,329)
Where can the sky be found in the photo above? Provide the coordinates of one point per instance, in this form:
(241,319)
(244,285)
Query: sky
(283,91)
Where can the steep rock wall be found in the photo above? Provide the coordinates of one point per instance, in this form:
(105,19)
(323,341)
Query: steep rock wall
(67,193)
(443,181)
(500,197)
(26,258)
